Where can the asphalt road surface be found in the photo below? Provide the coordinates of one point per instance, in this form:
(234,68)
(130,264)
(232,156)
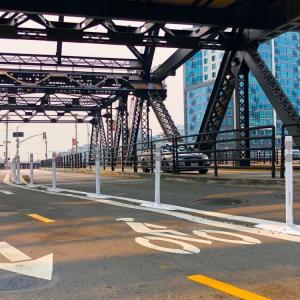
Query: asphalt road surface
(116,249)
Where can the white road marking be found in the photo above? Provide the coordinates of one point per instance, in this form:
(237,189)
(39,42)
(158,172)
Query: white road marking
(179,215)
(186,248)
(161,233)
(22,264)
(6,192)
(244,239)
(12,253)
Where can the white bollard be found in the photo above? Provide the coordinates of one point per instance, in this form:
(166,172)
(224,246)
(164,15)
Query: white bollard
(18,174)
(98,178)
(157,175)
(13,170)
(157,204)
(289,181)
(289,227)
(54,188)
(31,171)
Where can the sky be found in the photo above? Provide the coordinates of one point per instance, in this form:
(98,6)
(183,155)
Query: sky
(60,135)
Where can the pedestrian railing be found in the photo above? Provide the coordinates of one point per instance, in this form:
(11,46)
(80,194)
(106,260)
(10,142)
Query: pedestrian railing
(239,148)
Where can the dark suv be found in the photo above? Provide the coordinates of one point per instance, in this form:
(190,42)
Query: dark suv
(187,160)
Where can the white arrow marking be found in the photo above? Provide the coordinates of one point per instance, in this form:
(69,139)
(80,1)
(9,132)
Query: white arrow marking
(41,267)
(6,192)
(22,264)
(12,253)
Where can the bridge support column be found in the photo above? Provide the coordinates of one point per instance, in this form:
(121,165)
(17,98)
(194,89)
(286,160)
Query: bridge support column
(242,116)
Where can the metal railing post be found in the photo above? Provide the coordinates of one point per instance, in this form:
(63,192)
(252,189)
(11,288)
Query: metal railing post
(135,167)
(215,156)
(273,153)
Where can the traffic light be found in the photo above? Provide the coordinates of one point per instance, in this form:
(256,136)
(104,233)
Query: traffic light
(44,136)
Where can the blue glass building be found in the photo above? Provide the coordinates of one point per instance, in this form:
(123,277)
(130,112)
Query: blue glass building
(282,55)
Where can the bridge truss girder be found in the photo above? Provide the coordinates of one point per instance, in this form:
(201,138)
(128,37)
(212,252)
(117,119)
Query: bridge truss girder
(229,78)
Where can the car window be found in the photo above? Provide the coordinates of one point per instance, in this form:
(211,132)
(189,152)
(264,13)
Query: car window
(167,149)
(184,148)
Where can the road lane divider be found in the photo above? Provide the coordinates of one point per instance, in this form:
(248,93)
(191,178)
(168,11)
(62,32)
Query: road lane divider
(226,288)
(180,213)
(41,218)
(6,192)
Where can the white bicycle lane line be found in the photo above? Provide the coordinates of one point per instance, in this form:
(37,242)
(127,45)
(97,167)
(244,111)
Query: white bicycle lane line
(5,192)
(176,214)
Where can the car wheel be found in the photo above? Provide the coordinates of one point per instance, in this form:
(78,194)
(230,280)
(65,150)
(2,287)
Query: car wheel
(203,171)
(165,166)
(145,169)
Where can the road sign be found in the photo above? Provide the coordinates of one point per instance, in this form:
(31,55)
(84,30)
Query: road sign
(22,264)
(18,134)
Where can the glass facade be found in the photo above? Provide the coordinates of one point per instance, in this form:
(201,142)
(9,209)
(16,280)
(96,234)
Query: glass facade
(282,55)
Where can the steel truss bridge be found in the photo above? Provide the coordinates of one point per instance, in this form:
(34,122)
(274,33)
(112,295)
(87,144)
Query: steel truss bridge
(58,88)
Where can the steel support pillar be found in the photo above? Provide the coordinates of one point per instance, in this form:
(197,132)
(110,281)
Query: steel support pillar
(134,130)
(242,115)
(121,132)
(280,102)
(98,137)
(164,118)
(145,130)
(219,99)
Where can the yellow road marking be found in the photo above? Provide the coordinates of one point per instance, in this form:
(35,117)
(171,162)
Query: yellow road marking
(226,288)
(40,218)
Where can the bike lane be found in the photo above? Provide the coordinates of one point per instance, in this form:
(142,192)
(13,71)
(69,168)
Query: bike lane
(105,251)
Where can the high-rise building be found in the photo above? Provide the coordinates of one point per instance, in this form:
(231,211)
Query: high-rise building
(282,55)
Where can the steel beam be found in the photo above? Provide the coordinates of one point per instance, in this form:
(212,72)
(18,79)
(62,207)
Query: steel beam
(164,118)
(242,115)
(247,14)
(145,128)
(70,63)
(280,102)
(219,99)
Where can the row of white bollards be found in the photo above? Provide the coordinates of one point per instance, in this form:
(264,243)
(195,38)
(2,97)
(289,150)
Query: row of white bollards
(288,228)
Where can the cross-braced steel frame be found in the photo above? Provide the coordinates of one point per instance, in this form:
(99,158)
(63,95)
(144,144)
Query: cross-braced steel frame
(60,88)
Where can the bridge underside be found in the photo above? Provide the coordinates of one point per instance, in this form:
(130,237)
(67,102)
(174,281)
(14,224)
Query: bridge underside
(108,92)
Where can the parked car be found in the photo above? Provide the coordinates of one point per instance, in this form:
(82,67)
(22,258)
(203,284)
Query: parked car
(188,160)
